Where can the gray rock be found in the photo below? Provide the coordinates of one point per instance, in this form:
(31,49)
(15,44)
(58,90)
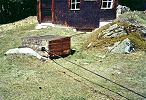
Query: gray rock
(114,31)
(125,46)
(27,51)
(142,32)
(122,9)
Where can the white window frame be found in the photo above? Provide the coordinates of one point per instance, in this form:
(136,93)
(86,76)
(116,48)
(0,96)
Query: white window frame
(74,3)
(107,2)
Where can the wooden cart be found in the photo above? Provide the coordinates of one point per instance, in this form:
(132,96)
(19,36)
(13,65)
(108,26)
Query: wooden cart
(54,45)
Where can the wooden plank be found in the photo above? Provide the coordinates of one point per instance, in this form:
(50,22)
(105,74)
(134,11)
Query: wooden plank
(53,54)
(58,53)
(59,44)
(56,48)
(39,11)
(55,41)
(66,47)
(59,47)
(55,44)
(53,11)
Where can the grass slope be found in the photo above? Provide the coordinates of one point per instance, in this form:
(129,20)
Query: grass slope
(26,78)
(126,20)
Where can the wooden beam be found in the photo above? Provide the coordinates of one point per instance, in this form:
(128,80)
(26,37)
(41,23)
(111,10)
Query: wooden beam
(115,3)
(53,11)
(39,11)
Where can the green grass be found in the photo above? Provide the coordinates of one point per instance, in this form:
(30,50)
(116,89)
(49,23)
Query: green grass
(24,77)
(96,39)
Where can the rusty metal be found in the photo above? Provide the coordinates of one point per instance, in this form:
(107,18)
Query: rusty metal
(59,45)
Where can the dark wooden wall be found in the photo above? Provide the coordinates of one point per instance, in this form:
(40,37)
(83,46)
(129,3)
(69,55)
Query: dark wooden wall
(107,14)
(86,18)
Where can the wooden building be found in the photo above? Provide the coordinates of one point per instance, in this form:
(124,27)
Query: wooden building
(81,14)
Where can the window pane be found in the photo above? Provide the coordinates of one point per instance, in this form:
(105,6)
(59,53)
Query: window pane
(73,1)
(78,6)
(78,0)
(73,6)
(104,4)
(104,0)
(109,4)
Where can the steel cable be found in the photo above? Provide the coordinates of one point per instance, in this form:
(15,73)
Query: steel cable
(101,76)
(91,81)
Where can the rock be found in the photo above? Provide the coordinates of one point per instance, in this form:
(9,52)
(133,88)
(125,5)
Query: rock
(114,31)
(142,31)
(122,9)
(125,46)
(27,51)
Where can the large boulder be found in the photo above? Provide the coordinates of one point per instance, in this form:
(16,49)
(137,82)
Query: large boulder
(138,29)
(125,46)
(119,30)
(114,31)
(27,51)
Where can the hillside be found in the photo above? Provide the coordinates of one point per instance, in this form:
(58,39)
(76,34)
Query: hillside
(24,77)
(130,25)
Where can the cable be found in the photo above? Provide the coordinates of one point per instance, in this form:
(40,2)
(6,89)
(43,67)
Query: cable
(102,77)
(87,85)
(91,81)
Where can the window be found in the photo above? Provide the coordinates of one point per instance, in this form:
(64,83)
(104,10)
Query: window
(107,4)
(75,4)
